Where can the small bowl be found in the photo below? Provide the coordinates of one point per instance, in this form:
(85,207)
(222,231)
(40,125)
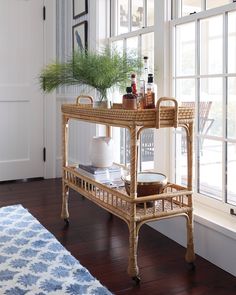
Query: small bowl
(148,183)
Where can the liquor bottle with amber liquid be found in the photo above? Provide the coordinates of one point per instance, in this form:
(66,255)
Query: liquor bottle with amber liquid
(150,94)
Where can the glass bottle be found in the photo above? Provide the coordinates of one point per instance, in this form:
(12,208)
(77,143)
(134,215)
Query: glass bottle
(134,84)
(141,95)
(145,68)
(142,83)
(150,94)
(129,100)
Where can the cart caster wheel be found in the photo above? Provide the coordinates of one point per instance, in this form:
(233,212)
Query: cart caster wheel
(192,266)
(136,279)
(66,221)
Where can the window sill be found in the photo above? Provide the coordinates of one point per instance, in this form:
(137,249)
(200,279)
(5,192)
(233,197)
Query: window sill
(215,219)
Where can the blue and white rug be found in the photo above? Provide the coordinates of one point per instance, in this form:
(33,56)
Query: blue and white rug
(33,262)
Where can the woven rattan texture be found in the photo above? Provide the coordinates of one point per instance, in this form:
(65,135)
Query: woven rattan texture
(147,115)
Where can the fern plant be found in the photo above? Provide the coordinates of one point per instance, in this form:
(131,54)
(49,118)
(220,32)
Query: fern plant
(100,70)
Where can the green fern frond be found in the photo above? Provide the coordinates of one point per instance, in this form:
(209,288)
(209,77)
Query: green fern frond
(101,70)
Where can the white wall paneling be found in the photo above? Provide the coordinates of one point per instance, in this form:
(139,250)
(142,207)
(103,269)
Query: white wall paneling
(212,240)
(97,31)
(80,132)
(80,137)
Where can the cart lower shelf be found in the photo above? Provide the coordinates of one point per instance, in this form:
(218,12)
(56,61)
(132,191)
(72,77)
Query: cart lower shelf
(174,201)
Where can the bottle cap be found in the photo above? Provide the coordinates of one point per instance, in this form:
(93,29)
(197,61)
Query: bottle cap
(145,57)
(150,78)
(129,89)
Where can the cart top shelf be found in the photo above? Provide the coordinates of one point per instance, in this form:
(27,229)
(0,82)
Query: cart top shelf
(160,117)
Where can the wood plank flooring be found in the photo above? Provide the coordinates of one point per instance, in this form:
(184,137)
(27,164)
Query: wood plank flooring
(100,243)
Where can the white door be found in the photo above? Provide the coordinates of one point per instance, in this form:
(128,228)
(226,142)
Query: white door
(21,100)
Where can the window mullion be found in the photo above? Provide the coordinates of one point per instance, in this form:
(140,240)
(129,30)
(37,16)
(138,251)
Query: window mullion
(130,15)
(225,42)
(116,17)
(197,98)
(145,13)
(203,5)
(176,9)
(225,79)
(140,139)
(124,45)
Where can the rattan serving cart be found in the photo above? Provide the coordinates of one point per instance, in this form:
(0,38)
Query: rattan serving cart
(175,201)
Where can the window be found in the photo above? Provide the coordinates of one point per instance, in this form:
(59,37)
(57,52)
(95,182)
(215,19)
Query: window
(132,28)
(204,76)
(132,15)
(187,7)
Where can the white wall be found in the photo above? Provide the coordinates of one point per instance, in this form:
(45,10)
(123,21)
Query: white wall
(80,132)
(212,241)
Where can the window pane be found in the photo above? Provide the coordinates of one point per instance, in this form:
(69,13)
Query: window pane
(123,17)
(116,92)
(190,6)
(132,45)
(150,12)
(210,106)
(211,45)
(118,45)
(185,49)
(210,169)
(118,150)
(180,158)
(148,49)
(232,42)
(137,15)
(231,108)
(124,138)
(185,89)
(216,3)
(231,188)
(147,149)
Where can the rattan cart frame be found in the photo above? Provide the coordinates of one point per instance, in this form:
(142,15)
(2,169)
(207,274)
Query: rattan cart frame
(175,201)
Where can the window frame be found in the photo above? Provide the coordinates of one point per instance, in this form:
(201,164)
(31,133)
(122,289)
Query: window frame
(177,8)
(114,12)
(222,10)
(114,37)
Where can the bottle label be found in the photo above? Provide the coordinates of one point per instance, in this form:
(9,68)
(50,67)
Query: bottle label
(150,99)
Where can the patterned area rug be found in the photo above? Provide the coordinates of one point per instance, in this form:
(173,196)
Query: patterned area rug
(33,262)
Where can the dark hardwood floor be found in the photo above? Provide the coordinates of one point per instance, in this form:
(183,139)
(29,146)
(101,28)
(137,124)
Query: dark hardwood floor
(100,243)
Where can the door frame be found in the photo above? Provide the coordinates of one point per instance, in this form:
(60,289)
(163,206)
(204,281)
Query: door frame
(50,99)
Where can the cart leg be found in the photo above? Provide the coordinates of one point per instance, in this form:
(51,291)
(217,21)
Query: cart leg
(133,269)
(64,209)
(190,255)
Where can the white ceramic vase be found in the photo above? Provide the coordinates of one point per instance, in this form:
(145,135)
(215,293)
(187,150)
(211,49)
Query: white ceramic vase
(101,151)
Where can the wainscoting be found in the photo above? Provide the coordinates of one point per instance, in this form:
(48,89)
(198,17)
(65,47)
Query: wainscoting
(214,240)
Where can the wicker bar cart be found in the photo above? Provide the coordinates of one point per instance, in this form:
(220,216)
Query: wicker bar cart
(175,201)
